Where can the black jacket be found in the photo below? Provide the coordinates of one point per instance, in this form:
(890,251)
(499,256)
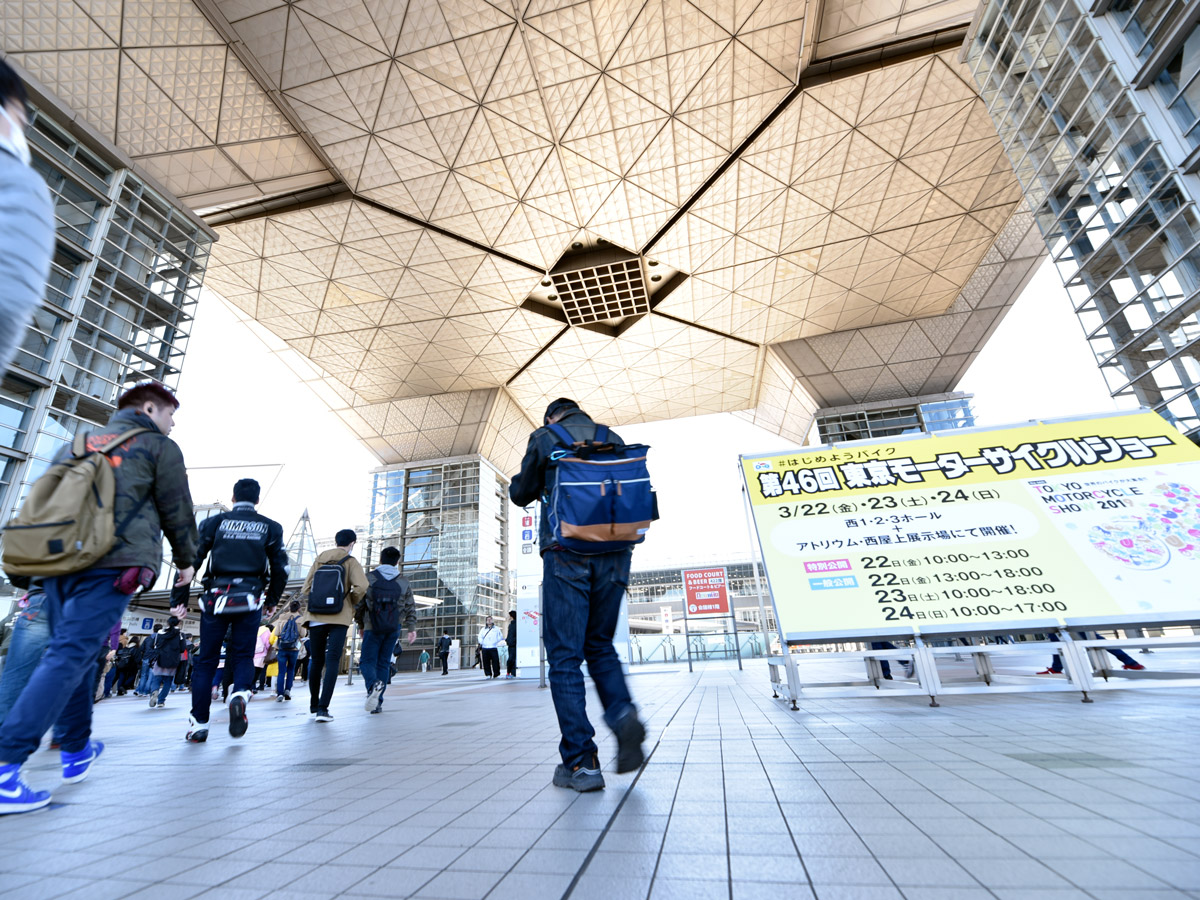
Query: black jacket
(243,543)
(511,639)
(443,644)
(532,482)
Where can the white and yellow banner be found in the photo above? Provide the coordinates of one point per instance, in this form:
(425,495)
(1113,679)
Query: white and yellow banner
(1085,517)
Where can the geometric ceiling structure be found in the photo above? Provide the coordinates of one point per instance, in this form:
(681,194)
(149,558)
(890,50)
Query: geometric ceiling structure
(394,181)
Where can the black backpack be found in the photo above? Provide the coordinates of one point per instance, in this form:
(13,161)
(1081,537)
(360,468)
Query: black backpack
(124,657)
(289,634)
(328,593)
(385,603)
(170,650)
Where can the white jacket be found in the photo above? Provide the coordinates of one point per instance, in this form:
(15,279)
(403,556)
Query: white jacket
(490,637)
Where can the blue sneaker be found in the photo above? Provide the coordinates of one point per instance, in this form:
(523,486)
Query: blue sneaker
(15,795)
(77,765)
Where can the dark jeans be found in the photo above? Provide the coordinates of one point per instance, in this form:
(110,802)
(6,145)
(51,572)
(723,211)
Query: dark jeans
(1124,658)
(239,656)
(164,684)
(30,635)
(445,658)
(491,662)
(325,655)
(82,609)
(287,671)
(582,597)
(375,660)
(512,659)
(260,678)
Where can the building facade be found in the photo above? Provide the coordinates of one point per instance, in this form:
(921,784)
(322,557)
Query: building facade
(123,285)
(888,418)
(449,518)
(1097,105)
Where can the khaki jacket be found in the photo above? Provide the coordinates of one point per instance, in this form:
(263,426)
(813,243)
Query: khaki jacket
(356,583)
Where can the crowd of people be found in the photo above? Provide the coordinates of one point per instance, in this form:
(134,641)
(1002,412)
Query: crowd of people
(68,648)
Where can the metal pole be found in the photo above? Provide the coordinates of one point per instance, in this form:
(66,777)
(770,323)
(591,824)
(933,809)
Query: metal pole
(687,637)
(541,643)
(733,621)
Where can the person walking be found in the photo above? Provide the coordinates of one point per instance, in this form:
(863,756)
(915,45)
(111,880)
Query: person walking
(149,648)
(26,220)
(171,651)
(582,596)
(130,663)
(248,569)
(262,645)
(151,500)
(387,605)
(289,645)
(30,635)
(443,651)
(333,589)
(490,640)
(511,642)
(423,661)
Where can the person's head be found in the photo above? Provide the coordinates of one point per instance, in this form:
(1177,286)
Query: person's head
(559,409)
(158,627)
(489,621)
(512,614)
(246,490)
(294,606)
(124,630)
(154,400)
(345,539)
(173,622)
(14,103)
(446,632)
(389,556)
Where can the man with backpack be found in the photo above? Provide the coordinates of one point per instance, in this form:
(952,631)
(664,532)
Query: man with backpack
(443,651)
(335,586)
(586,552)
(248,568)
(149,649)
(289,651)
(134,458)
(388,601)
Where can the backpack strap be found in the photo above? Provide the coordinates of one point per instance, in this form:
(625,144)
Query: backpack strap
(121,438)
(564,436)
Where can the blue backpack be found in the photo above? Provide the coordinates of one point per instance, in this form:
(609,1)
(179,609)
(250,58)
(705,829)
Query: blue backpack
(600,498)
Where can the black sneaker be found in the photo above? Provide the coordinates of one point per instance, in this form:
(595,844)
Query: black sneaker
(630,733)
(238,723)
(324,716)
(581,778)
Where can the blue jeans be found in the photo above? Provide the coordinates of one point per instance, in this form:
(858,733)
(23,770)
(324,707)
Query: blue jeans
(375,660)
(239,656)
(31,634)
(581,602)
(144,678)
(163,684)
(82,609)
(287,671)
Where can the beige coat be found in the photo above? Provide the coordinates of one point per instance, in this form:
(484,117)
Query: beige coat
(356,582)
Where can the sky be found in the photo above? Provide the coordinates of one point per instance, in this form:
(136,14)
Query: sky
(243,414)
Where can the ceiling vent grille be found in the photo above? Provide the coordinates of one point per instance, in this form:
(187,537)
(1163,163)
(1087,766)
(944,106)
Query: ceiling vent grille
(602,293)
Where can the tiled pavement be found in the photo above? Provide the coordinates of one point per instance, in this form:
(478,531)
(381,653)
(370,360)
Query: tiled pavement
(447,795)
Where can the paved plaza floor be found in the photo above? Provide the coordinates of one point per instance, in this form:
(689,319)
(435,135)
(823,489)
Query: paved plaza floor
(447,794)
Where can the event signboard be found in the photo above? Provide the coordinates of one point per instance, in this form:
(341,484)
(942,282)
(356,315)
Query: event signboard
(705,592)
(1066,518)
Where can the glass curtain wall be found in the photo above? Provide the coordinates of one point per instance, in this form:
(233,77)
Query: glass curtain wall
(123,285)
(450,521)
(1103,176)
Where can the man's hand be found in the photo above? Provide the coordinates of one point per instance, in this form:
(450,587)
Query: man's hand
(180,611)
(185,576)
(412,636)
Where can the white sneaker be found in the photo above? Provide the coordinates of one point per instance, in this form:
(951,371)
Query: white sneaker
(197,732)
(375,697)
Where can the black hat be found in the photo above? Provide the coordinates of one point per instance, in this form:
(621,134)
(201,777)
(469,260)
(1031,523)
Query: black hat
(558,406)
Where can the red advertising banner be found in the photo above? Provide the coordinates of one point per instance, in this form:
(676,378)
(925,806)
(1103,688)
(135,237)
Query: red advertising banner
(705,592)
